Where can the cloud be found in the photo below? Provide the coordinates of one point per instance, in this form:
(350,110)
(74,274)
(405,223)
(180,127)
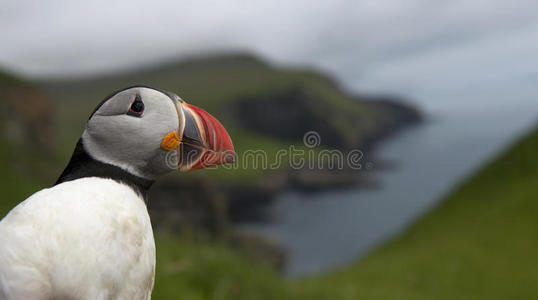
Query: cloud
(61,36)
(416,48)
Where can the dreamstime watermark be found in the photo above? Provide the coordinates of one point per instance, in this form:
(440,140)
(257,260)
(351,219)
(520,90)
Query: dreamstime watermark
(310,156)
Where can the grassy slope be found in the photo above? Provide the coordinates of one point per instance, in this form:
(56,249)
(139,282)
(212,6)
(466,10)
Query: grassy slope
(479,244)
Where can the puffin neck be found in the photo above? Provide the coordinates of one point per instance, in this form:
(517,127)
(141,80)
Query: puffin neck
(83,165)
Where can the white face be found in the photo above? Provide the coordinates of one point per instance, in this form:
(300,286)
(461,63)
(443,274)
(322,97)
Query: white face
(121,134)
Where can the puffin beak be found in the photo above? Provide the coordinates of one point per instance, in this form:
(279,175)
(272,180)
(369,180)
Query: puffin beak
(203,140)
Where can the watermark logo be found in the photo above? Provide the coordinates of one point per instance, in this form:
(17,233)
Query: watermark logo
(171,159)
(310,155)
(311,139)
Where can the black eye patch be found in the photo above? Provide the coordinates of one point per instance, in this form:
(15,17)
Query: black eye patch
(137,107)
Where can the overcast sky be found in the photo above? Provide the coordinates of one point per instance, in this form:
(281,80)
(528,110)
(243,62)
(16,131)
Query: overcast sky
(399,46)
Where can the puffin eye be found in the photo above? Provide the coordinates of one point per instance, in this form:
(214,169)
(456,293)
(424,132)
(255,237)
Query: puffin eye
(137,107)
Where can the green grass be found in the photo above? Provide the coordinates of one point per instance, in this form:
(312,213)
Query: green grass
(14,185)
(195,270)
(480,243)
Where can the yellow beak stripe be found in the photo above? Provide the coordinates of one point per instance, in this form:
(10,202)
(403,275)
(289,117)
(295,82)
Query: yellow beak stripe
(170,141)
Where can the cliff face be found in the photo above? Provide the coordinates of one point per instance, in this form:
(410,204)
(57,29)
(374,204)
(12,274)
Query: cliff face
(288,114)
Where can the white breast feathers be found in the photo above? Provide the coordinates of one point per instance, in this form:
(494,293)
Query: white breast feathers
(89,238)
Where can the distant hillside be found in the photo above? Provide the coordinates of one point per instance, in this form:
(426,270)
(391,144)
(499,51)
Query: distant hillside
(251,97)
(263,107)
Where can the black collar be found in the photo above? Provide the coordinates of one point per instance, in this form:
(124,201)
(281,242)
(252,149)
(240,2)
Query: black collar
(83,165)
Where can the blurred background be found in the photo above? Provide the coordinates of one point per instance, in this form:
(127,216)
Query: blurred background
(440,98)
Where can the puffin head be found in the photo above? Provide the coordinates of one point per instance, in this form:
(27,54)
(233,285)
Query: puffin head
(148,132)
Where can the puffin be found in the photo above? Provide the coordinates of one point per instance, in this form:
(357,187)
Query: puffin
(89,236)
